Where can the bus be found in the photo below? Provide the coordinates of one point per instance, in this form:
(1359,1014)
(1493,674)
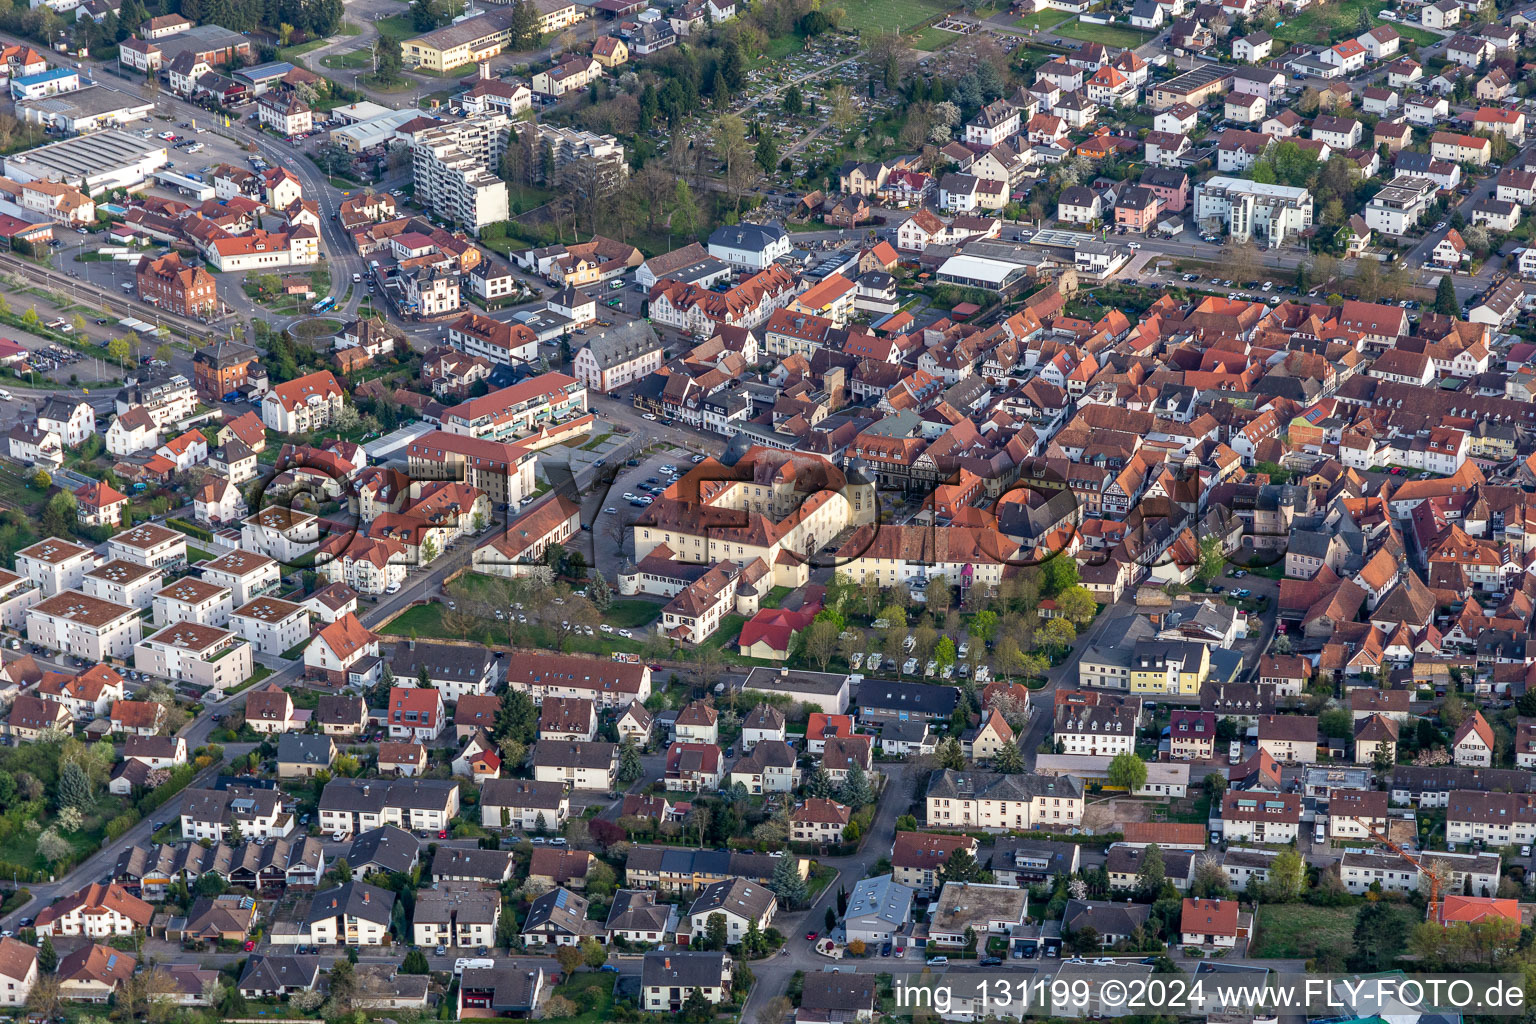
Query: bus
(324,304)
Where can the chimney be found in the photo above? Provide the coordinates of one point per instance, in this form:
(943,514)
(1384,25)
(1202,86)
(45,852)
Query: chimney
(366,894)
(667,963)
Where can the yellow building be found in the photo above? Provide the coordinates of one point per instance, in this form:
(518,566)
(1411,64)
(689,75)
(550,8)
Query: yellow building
(482,37)
(610,51)
(771,503)
(1169,666)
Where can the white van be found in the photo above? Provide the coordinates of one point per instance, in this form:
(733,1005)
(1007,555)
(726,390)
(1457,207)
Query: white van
(472,961)
(5,396)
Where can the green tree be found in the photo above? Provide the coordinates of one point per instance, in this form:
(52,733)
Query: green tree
(1009,760)
(47,956)
(944,652)
(74,786)
(1077,605)
(630,767)
(855,791)
(593,953)
(517,718)
(767,154)
(983,626)
(1211,559)
(1153,872)
(1286,874)
(1056,633)
(819,784)
(415,962)
(1381,935)
(950,755)
(1127,771)
(793,102)
(1445,297)
(960,867)
(787,884)
(715,932)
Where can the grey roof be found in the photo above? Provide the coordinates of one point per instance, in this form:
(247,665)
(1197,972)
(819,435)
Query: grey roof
(1104,917)
(560,910)
(637,910)
(278,973)
(387,848)
(775,681)
(1128,859)
(468,862)
(353,899)
(304,748)
(881,898)
(903,730)
(881,695)
(738,896)
(840,992)
(522,793)
(456,662)
(466,906)
(748,237)
(623,343)
(683,970)
(765,754)
(512,989)
(357,795)
(338,710)
(953,785)
(574,754)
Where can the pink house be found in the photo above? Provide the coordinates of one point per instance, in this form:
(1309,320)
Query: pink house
(1137,209)
(1171,187)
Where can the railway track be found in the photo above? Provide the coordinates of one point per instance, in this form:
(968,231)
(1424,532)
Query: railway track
(94,293)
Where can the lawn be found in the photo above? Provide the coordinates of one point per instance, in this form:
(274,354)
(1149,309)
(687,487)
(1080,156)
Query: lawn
(573,988)
(1291,930)
(354,61)
(1109,35)
(631,614)
(1041,19)
(931,39)
(900,15)
(396,27)
(1323,24)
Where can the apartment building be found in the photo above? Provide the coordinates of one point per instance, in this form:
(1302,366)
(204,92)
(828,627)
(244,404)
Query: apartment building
(55,565)
(1273,214)
(456,171)
(521,409)
(991,800)
(271,625)
(189,652)
(83,626)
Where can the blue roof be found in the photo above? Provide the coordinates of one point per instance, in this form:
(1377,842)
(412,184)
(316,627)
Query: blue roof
(276,69)
(51,75)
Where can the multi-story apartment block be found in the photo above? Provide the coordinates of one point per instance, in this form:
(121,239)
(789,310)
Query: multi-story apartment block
(84,627)
(55,565)
(1275,214)
(247,574)
(188,652)
(521,409)
(270,624)
(991,800)
(455,171)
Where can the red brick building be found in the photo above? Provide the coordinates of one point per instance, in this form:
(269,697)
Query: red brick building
(222,367)
(176,287)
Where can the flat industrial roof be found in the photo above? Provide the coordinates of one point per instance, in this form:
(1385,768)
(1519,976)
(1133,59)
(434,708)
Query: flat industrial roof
(86,155)
(977,268)
(92,101)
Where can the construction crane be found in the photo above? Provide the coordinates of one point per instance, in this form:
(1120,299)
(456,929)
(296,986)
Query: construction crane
(1434,879)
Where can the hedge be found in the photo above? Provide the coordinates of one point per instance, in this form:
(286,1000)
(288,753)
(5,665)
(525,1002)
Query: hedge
(191,529)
